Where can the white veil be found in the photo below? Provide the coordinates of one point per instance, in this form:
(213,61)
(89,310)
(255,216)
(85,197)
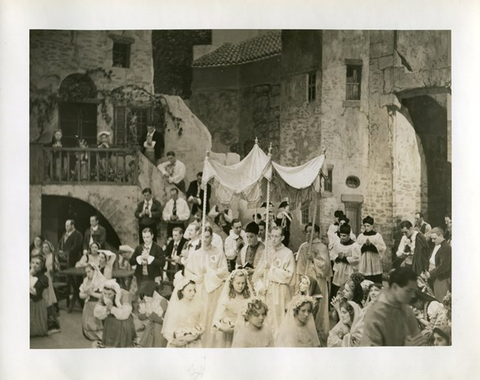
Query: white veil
(176,309)
(225,295)
(289,333)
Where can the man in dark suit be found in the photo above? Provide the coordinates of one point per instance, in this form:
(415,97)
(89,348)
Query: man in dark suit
(152,144)
(440,270)
(148,213)
(96,233)
(195,195)
(413,249)
(173,251)
(149,259)
(70,249)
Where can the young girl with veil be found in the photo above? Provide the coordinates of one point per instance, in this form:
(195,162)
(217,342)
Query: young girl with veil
(298,327)
(235,293)
(250,329)
(182,326)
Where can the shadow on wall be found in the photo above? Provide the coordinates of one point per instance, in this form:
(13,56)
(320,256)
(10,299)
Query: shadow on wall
(57,209)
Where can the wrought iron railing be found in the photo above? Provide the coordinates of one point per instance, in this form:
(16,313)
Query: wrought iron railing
(86,165)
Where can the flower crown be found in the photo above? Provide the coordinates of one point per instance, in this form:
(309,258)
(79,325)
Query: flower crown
(246,306)
(299,300)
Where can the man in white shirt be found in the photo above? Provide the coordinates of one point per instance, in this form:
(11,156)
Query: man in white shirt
(176,212)
(234,243)
(174,171)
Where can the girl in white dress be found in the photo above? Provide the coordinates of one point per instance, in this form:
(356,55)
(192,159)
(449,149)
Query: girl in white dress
(236,292)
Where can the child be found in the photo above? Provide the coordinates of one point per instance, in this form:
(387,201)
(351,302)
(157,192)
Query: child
(249,328)
(236,292)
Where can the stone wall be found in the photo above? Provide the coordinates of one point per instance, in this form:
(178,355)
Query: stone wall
(407,177)
(55,54)
(218,109)
(118,207)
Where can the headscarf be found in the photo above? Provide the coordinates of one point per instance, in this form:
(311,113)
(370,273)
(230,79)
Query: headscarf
(113,285)
(353,338)
(97,280)
(289,332)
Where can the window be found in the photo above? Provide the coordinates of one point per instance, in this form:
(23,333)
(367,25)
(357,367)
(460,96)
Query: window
(352,182)
(354,81)
(305,209)
(328,180)
(121,54)
(312,87)
(131,124)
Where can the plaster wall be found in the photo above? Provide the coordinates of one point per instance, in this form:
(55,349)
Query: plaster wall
(55,54)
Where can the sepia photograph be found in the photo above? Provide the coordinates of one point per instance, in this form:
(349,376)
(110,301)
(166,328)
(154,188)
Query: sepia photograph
(255,192)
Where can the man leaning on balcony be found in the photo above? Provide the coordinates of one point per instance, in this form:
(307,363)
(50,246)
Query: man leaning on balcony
(148,213)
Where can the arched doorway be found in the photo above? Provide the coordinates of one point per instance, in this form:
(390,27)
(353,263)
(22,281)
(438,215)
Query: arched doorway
(77,112)
(428,113)
(57,209)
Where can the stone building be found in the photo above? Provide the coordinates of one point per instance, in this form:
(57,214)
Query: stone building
(377,101)
(236,90)
(85,82)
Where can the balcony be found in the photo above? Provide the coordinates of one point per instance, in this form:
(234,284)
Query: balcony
(97,166)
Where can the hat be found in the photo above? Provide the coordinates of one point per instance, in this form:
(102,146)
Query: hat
(368,220)
(264,205)
(283,204)
(338,213)
(344,218)
(252,227)
(104,133)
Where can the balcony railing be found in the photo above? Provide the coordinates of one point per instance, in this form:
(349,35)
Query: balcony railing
(84,165)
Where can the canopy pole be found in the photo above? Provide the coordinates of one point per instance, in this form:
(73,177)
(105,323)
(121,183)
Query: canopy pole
(313,226)
(204,208)
(314,219)
(267,225)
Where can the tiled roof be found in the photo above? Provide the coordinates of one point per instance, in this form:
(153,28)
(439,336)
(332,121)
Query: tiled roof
(254,49)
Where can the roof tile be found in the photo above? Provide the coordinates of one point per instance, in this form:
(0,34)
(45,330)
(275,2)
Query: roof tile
(253,49)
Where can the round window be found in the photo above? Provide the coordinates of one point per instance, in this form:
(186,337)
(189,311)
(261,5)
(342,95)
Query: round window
(353,182)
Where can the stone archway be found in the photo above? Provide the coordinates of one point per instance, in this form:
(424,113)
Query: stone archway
(429,116)
(57,209)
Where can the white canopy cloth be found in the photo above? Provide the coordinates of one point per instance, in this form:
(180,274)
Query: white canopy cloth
(303,176)
(238,180)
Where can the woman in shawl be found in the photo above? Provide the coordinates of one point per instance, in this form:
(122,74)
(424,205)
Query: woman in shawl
(348,331)
(372,295)
(90,292)
(236,292)
(49,294)
(208,268)
(38,306)
(151,309)
(105,263)
(114,308)
(36,246)
(250,328)
(183,327)
(93,256)
(298,327)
